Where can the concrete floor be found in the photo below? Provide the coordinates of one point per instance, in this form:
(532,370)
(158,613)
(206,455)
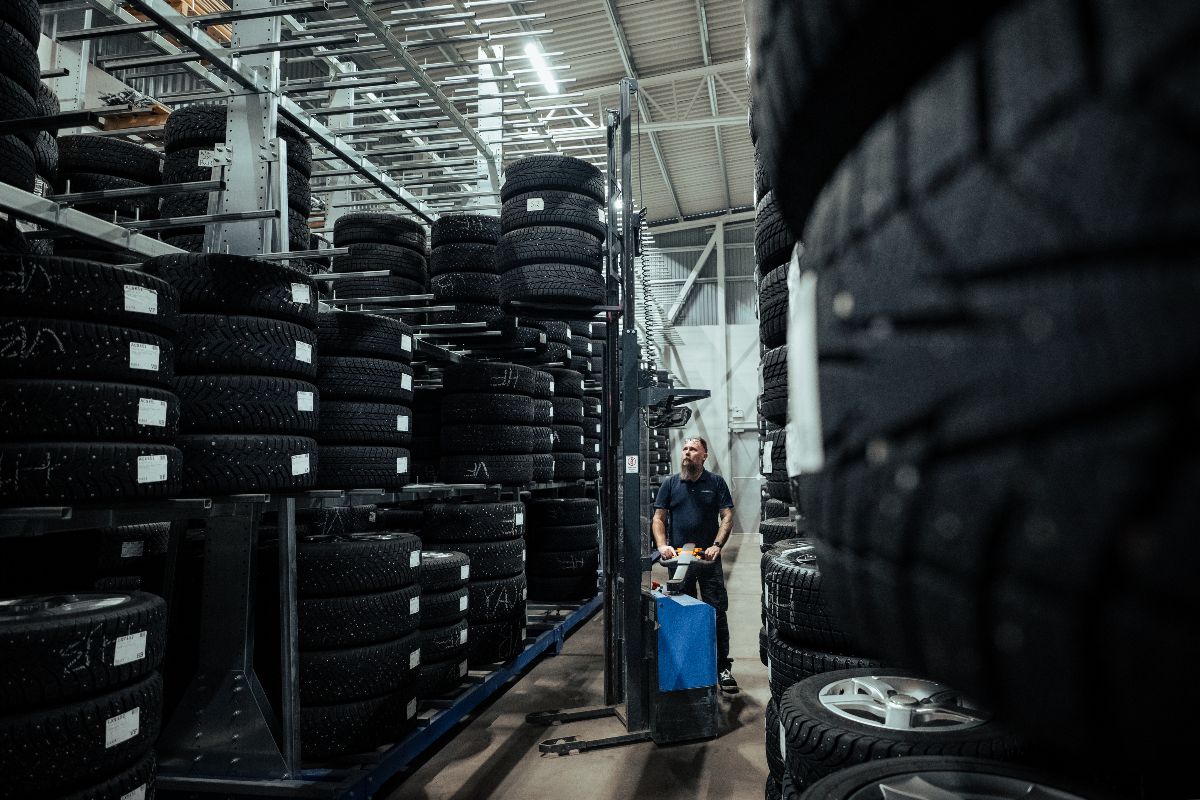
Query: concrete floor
(495,756)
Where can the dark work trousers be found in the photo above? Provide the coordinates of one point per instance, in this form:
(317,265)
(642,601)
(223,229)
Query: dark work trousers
(711,584)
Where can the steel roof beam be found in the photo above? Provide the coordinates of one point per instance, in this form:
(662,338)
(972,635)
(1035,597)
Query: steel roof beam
(712,98)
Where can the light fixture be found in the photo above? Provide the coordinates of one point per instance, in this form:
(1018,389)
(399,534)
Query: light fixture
(538,62)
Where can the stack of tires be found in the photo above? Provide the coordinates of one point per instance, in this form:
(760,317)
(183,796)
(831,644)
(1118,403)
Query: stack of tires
(80,694)
(20,77)
(245,364)
(564,552)
(592,435)
(568,425)
(463,260)
(445,601)
(90,162)
(553,229)
(543,427)
(487,433)
(1000,449)
(557,352)
(189,137)
(588,342)
(87,367)
(45,150)
(658,446)
(492,536)
(365,377)
(359,610)
(110,559)
(379,241)
(774,463)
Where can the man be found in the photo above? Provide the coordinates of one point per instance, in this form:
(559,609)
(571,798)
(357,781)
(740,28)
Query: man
(696,507)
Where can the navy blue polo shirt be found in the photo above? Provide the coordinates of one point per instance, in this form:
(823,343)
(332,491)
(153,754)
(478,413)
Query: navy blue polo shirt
(693,506)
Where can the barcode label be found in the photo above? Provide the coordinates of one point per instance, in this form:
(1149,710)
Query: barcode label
(300,464)
(402,422)
(303,352)
(301,294)
(462,603)
(137,794)
(406,382)
(462,669)
(304,401)
(520,518)
(133,549)
(141,300)
(401,465)
(535,204)
(151,469)
(406,343)
(414,558)
(143,356)
(414,605)
(412,708)
(129,648)
(414,659)
(122,727)
(152,412)
(465,572)
(462,636)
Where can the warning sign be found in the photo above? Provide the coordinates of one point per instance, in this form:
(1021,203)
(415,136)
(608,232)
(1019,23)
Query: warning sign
(631,464)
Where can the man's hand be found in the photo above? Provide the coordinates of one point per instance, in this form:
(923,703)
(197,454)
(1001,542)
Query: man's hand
(711,553)
(667,552)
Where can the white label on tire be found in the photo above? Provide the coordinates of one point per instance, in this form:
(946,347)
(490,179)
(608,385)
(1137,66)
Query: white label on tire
(303,352)
(519,518)
(143,356)
(301,294)
(122,727)
(525,594)
(522,555)
(465,572)
(552,413)
(406,382)
(300,464)
(414,659)
(600,211)
(462,669)
(782,741)
(129,648)
(768,668)
(406,342)
(596,447)
(551,382)
(805,449)
(133,549)
(597,427)
(140,300)
(568,354)
(401,465)
(304,401)
(414,605)
(462,603)
(768,446)
(412,708)
(535,204)
(522,634)
(151,469)
(402,423)
(152,412)
(589,350)
(137,794)
(462,636)
(414,558)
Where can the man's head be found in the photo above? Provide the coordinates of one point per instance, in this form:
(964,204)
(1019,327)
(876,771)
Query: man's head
(695,451)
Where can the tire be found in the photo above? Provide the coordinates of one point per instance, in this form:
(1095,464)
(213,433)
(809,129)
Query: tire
(69,288)
(560,563)
(560,209)
(188,242)
(474,287)
(776,529)
(787,663)
(562,587)
(76,472)
(16,103)
(562,538)
(468,312)
(568,466)
(104,155)
(773,241)
(136,781)
(246,404)
(554,355)
(543,467)
(25,17)
(490,559)
(443,607)
(567,439)
(489,377)
(195,126)
(809,727)
(445,643)
(523,336)
(49,752)
(454,228)
(497,599)
(299,151)
(354,422)
(506,470)
(403,262)
(773,403)
(552,283)
(218,283)
(477,407)
(370,379)
(568,411)
(212,343)
(443,570)
(134,207)
(536,173)
(491,642)
(355,727)
(473,522)
(345,466)
(437,678)
(364,335)
(543,417)
(543,385)
(773,308)
(562,512)
(794,602)
(357,673)
(774,748)
(59,650)
(548,244)
(17,165)
(500,439)
(336,521)
(371,227)
(556,331)
(390,286)
(233,464)
(463,257)
(567,383)
(365,564)
(44,411)
(338,622)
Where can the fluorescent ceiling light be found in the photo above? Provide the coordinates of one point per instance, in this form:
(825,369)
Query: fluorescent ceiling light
(538,62)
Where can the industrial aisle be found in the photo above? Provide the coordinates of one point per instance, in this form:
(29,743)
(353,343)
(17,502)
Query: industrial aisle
(496,756)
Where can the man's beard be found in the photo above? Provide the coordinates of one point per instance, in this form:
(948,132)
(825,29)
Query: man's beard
(690,471)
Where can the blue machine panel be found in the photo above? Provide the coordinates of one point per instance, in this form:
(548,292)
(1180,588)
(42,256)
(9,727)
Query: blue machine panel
(687,643)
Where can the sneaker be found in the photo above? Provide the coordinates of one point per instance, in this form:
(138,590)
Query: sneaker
(727,683)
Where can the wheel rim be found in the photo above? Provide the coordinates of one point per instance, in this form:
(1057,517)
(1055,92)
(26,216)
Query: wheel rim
(56,605)
(901,703)
(954,785)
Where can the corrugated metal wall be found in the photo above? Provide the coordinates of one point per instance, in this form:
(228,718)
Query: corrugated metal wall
(680,251)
